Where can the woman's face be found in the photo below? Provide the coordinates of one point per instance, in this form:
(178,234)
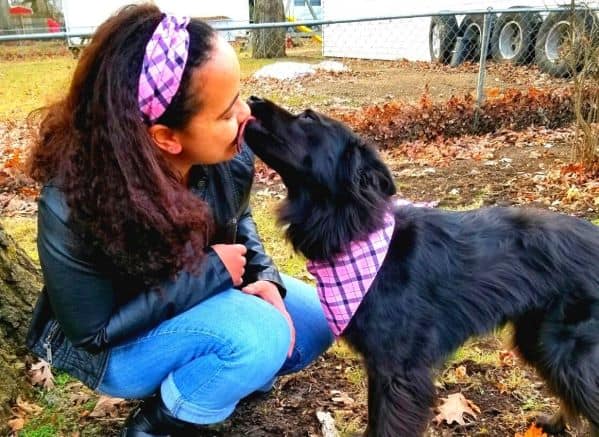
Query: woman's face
(210,136)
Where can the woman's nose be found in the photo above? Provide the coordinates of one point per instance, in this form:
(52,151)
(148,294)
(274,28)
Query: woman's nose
(244,111)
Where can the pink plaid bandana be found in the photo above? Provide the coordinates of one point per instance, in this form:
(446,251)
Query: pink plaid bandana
(343,282)
(162,68)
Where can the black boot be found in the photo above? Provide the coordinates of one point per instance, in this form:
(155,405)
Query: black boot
(152,419)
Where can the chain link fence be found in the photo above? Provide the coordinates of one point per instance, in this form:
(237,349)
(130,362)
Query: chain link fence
(552,43)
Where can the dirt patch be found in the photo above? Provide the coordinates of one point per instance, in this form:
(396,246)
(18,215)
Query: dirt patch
(371,82)
(509,398)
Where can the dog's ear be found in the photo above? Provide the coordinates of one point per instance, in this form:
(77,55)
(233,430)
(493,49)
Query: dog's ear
(363,170)
(376,174)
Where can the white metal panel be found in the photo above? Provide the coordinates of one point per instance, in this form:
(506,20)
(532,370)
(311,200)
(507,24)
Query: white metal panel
(397,39)
(235,10)
(86,15)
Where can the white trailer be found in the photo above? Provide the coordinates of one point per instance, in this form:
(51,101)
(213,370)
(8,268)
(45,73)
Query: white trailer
(425,38)
(83,16)
(303,10)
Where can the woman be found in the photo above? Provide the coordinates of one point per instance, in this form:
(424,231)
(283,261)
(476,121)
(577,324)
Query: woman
(156,282)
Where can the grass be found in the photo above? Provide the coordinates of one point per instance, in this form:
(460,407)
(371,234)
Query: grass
(57,417)
(272,236)
(41,431)
(24,232)
(26,85)
(347,423)
(472,351)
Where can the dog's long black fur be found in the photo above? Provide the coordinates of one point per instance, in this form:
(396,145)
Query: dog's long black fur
(447,276)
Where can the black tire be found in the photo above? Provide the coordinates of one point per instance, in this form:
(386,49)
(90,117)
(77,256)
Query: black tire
(471,31)
(514,37)
(75,51)
(552,38)
(442,36)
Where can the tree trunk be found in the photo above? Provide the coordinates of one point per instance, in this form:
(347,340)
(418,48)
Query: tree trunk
(268,43)
(20,283)
(40,7)
(4,17)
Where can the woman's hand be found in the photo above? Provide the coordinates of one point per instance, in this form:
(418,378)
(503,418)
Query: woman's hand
(233,257)
(270,293)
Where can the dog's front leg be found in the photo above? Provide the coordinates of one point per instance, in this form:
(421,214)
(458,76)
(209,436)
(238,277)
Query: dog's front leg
(399,404)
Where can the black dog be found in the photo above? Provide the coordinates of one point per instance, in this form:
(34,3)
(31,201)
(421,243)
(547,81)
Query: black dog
(447,276)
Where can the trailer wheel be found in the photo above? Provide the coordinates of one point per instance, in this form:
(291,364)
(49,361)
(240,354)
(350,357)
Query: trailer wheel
(471,31)
(514,36)
(442,36)
(556,51)
(75,51)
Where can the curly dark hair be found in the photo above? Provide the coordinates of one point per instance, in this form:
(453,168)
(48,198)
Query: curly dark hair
(123,197)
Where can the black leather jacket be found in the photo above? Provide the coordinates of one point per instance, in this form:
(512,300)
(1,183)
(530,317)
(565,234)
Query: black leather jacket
(84,309)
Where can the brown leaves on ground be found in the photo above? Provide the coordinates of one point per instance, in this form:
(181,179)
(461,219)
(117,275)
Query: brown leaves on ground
(512,109)
(17,191)
(453,408)
(20,413)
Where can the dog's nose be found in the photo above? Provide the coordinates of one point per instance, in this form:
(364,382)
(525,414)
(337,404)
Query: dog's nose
(254,99)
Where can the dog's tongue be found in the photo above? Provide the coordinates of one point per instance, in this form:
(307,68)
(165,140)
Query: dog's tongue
(239,139)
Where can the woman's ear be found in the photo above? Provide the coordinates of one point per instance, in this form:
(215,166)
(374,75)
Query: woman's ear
(165,139)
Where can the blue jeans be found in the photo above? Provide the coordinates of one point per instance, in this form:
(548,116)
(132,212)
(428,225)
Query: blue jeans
(206,359)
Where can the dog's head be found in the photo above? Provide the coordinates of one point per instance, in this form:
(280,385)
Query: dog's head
(315,153)
(333,178)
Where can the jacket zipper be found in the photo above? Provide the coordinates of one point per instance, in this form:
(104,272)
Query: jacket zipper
(231,231)
(48,342)
(232,198)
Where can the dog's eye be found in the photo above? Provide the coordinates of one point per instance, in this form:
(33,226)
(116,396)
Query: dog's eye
(309,114)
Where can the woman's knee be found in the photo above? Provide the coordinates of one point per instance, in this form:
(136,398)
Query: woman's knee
(261,342)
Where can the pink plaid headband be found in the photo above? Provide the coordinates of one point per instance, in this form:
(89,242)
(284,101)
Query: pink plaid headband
(163,65)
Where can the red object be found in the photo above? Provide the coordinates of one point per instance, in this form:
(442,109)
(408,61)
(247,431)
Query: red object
(20,10)
(53,25)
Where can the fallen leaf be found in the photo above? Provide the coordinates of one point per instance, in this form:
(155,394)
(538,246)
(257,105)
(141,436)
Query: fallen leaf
(453,409)
(16,424)
(327,424)
(20,411)
(107,407)
(461,373)
(79,398)
(502,387)
(27,407)
(41,375)
(340,397)
(533,431)
(507,358)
